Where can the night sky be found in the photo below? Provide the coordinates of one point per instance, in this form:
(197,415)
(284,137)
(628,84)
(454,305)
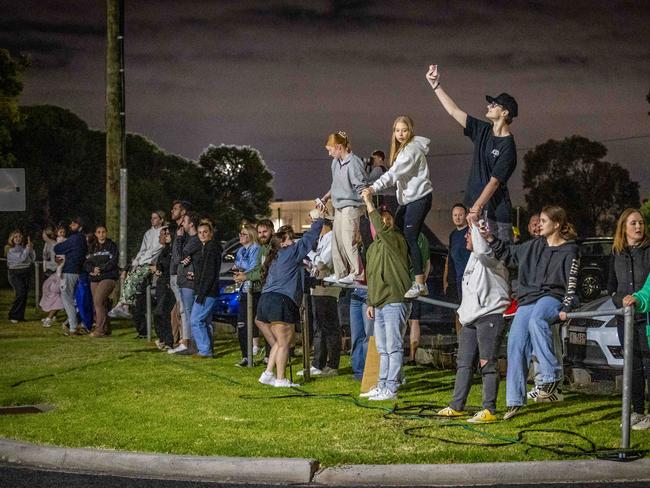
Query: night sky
(280,76)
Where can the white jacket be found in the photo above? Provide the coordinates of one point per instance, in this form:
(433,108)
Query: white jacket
(149,248)
(485,283)
(409,172)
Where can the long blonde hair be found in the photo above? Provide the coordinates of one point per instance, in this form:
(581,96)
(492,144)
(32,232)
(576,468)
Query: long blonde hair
(620,239)
(10,241)
(395,146)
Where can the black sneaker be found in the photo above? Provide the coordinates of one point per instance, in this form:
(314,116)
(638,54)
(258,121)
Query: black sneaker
(546,390)
(512,411)
(242,364)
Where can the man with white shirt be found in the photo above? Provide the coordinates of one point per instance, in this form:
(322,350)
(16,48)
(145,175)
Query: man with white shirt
(135,280)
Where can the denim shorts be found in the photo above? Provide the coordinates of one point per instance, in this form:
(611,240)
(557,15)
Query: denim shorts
(276,307)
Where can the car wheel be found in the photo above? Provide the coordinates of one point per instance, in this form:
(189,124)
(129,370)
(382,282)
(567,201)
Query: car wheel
(590,286)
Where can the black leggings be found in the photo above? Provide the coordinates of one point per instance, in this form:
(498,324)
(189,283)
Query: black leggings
(409,219)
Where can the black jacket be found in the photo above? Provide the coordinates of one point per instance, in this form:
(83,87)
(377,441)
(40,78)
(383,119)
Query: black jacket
(74,248)
(542,270)
(163,264)
(191,247)
(207,264)
(177,250)
(105,257)
(628,271)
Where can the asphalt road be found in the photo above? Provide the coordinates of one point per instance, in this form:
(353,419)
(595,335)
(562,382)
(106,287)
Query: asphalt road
(21,477)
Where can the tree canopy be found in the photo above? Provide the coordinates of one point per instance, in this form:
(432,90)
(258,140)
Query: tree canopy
(11,86)
(572,173)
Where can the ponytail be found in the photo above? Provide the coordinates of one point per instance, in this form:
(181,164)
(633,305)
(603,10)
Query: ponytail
(341,138)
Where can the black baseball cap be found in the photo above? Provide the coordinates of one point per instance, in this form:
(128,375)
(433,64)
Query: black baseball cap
(506,101)
(79,221)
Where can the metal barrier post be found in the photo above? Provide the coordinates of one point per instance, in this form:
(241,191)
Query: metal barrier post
(148,297)
(37,288)
(249,326)
(627,377)
(306,340)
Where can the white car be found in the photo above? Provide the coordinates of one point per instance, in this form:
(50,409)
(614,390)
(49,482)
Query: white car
(593,343)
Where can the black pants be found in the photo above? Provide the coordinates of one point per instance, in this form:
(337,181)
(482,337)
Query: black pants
(139,314)
(165,301)
(409,219)
(480,338)
(19,281)
(327,332)
(640,365)
(242,322)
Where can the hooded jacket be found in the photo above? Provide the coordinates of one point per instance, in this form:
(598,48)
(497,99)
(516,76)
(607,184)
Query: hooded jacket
(542,270)
(103,256)
(486,289)
(628,271)
(409,172)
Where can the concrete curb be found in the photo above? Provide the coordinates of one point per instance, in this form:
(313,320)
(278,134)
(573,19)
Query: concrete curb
(218,468)
(485,473)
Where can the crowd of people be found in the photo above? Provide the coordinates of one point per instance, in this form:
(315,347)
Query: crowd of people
(375,245)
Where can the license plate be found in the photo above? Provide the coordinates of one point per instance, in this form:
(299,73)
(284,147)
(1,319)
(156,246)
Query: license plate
(578,338)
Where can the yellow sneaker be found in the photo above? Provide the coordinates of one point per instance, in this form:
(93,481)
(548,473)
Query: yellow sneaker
(450,412)
(483,417)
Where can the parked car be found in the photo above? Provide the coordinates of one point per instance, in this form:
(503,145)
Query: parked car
(594,266)
(593,343)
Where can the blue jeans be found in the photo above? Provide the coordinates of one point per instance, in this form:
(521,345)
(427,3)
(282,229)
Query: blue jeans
(201,320)
(188,296)
(530,333)
(389,321)
(361,328)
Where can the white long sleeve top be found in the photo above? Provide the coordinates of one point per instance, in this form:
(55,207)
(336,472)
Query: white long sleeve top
(149,249)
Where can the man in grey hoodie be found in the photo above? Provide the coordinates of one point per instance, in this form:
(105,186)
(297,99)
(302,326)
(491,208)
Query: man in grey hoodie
(486,295)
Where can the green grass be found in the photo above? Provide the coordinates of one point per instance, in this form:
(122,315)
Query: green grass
(121,393)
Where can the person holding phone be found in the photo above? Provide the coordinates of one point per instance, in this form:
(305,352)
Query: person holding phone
(494,159)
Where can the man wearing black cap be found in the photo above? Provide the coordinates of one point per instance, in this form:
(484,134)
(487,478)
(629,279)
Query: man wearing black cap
(494,160)
(74,248)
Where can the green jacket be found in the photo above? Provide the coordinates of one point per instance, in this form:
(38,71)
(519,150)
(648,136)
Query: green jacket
(387,265)
(255,274)
(643,297)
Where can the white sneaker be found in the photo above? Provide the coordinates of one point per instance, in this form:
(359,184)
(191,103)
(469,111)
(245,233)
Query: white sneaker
(47,322)
(313,371)
(424,290)
(331,279)
(256,350)
(347,280)
(180,348)
(415,290)
(384,394)
(284,383)
(635,418)
(120,311)
(267,378)
(371,392)
(643,424)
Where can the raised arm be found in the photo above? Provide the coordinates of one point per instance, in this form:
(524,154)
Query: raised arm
(433,77)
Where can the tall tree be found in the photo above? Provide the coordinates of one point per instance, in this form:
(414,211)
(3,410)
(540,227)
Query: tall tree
(11,86)
(571,173)
(240,183)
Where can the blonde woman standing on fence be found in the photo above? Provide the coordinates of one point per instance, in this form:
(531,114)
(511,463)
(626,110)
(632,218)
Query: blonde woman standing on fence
(19,260)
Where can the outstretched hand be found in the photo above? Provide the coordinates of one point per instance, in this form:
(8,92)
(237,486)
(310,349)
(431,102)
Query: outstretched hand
(433,76)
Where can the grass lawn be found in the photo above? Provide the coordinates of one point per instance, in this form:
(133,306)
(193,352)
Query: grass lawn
(122,393)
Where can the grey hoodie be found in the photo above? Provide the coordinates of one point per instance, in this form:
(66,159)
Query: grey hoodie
(348,179)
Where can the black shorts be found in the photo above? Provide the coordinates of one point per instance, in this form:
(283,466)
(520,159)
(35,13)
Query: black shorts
(416,310)
(276,307)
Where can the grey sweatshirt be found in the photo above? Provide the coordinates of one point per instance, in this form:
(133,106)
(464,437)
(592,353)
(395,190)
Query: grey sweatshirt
(19,257)
(348,179)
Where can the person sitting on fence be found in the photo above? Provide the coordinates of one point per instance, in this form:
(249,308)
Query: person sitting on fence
(20,257)
(135,279)
(388,276)
(278,308)
(485,296)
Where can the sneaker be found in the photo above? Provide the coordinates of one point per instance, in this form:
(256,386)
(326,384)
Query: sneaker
(483,417)
(120,311)
(331,279)
(415,290)
(180,348)
(450,412)
(424,290)
(533,393)
(643,424)
(159,344)
(327,371)
(384,394)
(267,378)
(347,280)
(371,392)
(556,396)
(313,371)
(545,390)
(284,383)
(242,364)
(512,411)
(47,322)
(96,334)
(635,418)
(13,321)
(265,360)
(256,350)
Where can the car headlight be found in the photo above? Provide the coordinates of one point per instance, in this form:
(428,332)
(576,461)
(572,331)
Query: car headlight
(234,288)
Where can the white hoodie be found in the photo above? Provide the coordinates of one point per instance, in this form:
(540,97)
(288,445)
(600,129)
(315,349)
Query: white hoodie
(485,283)
(149,248)
(409,172)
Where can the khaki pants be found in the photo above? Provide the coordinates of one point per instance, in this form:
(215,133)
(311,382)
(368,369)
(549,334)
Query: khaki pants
(345,254)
